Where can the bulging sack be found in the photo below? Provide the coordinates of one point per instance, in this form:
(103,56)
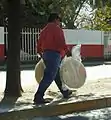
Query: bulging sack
(76,53)
(39,70)
(72,73)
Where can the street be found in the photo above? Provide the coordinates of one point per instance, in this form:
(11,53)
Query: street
(101,114)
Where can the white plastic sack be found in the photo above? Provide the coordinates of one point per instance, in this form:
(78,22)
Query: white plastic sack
(39,70)
(76,53)
(72,71)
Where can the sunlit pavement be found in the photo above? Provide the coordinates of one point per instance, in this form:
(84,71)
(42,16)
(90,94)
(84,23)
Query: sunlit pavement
(93,73)
(28,77)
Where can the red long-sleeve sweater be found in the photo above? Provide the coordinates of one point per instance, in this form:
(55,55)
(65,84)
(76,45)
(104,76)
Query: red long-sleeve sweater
(52,38)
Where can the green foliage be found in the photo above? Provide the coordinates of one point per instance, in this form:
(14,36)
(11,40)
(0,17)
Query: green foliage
(68,10)
(99,3)
(35,12)
(101,20)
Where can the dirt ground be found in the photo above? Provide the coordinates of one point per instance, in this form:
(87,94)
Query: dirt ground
(93,89)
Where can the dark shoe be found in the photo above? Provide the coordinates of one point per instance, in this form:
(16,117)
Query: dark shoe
(67,93)
(41,101)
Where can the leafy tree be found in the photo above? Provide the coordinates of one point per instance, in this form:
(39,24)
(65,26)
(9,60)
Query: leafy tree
(68,10)
(2,12)
(101,20)
(99,3)
(36,11)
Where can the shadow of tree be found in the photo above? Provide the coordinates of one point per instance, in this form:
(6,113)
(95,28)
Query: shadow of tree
(73,97)
(101,114)
(7,103)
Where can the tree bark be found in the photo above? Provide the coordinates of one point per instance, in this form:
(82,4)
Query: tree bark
(13,80)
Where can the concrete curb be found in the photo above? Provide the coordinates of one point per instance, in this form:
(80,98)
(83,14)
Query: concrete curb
(57,109)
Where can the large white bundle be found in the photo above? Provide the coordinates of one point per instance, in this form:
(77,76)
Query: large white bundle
(73,73)
(76,52)
(39,70)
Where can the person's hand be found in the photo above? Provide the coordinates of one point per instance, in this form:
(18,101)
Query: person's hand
(39,55)
(68,53)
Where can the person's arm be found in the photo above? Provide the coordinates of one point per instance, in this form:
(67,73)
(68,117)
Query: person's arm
(60,36)
(39,45)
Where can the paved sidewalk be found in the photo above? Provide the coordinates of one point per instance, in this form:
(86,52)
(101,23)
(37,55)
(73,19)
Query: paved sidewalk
(94,94)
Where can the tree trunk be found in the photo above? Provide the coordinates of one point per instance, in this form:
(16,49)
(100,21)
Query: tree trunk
(13,80)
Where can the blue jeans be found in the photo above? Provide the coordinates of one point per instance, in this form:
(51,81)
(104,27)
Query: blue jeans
(52,60)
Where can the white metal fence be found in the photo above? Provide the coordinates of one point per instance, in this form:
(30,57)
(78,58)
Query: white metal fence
(29,38)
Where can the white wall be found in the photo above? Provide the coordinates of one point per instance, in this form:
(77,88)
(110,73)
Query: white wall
(83,37)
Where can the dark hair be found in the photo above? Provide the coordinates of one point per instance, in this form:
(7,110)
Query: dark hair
(53,16)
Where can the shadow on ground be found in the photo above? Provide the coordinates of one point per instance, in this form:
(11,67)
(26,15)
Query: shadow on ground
(7,103)
(101,114)
(63,118)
